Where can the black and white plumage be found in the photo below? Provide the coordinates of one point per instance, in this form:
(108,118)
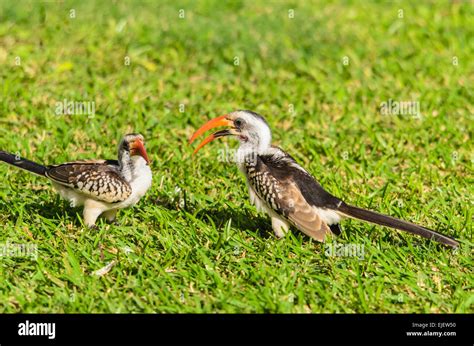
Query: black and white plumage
(281,188)
(101,186)
(285,191)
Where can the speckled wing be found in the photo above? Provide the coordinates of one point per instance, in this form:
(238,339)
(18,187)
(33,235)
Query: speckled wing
(275,180)
(99,179)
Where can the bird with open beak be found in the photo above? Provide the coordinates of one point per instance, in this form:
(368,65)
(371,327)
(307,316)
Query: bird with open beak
(288,193)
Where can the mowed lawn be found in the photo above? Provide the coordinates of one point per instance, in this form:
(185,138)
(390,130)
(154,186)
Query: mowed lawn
(320,72)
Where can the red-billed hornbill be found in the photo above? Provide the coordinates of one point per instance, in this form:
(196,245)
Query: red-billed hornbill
(286,191)
(101,186)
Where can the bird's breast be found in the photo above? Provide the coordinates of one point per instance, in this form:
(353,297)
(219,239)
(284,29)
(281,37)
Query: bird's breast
(140,184)
(264,186)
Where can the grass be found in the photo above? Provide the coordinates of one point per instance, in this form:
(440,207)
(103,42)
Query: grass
(194,243)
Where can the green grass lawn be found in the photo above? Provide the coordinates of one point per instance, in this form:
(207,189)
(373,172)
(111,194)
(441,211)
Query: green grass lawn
(195,243)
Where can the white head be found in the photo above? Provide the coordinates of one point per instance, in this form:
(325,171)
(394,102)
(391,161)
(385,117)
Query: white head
(132,154)
(250,128)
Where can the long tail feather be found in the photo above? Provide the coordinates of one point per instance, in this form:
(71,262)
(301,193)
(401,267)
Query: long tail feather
(385,220)
(25,164)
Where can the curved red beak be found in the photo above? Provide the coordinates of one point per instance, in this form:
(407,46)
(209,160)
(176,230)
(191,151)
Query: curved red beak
(216,122)
(137,148)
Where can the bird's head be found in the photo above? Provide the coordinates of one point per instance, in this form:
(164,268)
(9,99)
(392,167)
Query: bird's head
(133,144)
(250,128)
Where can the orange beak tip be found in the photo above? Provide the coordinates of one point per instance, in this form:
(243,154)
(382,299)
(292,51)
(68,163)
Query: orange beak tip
(219,121)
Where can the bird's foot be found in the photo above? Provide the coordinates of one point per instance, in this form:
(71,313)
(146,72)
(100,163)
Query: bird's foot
(113,222)
(279,234)
(280,227)
(93,227)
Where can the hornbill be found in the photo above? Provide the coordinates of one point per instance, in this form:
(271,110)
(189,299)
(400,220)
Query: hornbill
(101,186)
(285,191)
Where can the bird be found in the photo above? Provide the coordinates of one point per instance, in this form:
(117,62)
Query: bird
(288,193)
(102,187)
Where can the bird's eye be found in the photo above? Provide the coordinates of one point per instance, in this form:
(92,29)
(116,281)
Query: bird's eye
(238,122)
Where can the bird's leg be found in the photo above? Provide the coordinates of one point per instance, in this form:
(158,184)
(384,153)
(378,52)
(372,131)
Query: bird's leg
(92,211)
(110,215)
(280,226)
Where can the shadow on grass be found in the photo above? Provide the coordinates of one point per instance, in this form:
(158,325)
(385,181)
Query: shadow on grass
(242,220)
(51,210)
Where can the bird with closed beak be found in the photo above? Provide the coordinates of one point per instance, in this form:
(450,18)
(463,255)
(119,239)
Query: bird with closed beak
(101,186)
(287,192)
